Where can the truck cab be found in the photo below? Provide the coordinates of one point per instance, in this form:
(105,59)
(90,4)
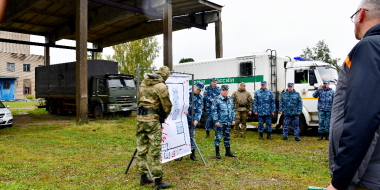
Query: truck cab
(113,93)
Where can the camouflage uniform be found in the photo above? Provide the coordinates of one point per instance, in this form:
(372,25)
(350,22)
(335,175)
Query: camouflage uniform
(243,104)
(223,112)
(264,105)
(326,97)
(209,94)
(152,94)
(198,104)
(290,105)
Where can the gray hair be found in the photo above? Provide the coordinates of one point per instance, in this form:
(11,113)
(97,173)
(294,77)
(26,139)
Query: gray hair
(373,6)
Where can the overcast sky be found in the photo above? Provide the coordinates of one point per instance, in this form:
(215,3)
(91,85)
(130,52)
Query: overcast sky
(255,26)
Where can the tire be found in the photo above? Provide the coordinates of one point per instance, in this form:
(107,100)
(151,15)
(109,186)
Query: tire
(59,109)
(51,107)
(9,125)
(98,112)
(127,113)
(302,124)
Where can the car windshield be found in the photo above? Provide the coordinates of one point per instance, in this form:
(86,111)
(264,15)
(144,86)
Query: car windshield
(121,83)
(328,74)
(2,105)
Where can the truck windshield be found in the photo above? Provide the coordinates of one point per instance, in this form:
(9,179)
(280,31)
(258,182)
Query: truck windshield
(121,83)
(328,74)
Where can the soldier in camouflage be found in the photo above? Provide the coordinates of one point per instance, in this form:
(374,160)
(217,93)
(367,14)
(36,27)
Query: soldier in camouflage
(223,114)
(210,93)
(243,106)
(264,106)
(198,104)
(291,107)
(326,97)
(152,94)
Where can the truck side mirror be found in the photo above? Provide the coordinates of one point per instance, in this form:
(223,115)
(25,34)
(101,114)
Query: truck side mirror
(311,77)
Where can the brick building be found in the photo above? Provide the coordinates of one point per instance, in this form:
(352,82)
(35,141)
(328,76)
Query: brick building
(17,67)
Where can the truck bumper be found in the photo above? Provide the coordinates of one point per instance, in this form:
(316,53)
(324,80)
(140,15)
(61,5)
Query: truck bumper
(111,108)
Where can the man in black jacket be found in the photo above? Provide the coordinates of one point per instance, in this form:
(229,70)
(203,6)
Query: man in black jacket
(354,150)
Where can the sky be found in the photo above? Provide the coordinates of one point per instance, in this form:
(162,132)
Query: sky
(254,26)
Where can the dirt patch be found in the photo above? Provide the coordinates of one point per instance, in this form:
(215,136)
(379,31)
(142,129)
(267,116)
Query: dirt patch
(26,120)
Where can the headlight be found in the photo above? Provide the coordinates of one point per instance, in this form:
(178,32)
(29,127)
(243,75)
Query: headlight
(111,107)
(9,115)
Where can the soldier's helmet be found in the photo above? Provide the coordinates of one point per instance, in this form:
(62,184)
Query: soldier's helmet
(164,72)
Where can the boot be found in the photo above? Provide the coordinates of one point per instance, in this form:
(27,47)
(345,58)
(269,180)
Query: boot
(320,137)
(284,138)
(207,134)
(145,180)
(228,152)
(297,138)
(192,156)
(261,136)
(159,184)
(268,136)
(327,136)
(217,153)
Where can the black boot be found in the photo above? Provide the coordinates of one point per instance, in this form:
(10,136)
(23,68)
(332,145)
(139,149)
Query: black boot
(261,136)
(320,137)
(228,152)
(327,136)
(145,180)
(217,153)
(297,138)
(284,138)
(159,184)
(192,156)
(207,134)
(268,136)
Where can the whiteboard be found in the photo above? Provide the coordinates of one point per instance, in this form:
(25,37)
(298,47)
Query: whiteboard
(175,131)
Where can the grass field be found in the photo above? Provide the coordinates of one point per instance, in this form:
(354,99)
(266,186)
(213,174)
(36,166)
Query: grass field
(94,156)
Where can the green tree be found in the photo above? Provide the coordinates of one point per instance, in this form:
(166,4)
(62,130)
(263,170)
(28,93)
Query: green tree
(185,60)
(136,54)
(321,52)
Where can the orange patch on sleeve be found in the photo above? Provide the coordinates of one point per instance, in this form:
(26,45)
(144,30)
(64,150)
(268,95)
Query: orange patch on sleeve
(348,62)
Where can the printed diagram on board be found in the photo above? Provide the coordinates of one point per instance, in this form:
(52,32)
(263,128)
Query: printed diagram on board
(175,132)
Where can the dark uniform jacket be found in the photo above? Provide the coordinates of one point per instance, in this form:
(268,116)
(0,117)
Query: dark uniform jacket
(354,150)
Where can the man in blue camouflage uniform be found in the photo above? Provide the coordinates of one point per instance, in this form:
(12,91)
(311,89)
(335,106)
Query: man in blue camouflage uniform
(198,103)
(210,93)
(223,114)
(264,106)
(291,107)
(326,97)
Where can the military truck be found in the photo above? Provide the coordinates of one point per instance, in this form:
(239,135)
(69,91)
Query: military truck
(108,91)
(276,70)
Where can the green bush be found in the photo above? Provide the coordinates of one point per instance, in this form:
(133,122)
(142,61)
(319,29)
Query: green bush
(30,97)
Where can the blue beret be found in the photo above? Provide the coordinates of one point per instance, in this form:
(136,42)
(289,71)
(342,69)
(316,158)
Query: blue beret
(224,86)
(326,81)
(263,82)
(290,84)
(200,85)
(213,79)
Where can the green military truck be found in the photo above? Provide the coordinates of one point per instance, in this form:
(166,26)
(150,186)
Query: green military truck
(108,92)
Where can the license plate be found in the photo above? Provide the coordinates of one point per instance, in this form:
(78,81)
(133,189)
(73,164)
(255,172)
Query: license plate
(125,109)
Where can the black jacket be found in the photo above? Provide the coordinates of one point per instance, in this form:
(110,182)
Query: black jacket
(354,151)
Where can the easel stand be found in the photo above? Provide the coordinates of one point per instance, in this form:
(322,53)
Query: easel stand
(130,163)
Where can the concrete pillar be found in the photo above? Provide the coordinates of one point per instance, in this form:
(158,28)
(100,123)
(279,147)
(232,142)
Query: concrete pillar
(219,37)
(94,55)
(81,63)
(168,23)
(47,52)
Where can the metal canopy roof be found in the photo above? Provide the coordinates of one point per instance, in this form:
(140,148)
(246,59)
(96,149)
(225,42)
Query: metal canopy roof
(107,25)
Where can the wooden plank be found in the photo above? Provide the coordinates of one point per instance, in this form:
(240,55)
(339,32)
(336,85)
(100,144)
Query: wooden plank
(168,35)
(219,37)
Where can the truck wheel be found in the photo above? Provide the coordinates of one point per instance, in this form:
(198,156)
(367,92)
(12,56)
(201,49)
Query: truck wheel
(98,113)
(51,108)
(59,108)
(127,113)
(303,126)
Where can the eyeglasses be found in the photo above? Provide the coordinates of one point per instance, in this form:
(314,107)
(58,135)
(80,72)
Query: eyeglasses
(353,16)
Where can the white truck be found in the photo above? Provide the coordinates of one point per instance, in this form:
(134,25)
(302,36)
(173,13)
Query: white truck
(277,71)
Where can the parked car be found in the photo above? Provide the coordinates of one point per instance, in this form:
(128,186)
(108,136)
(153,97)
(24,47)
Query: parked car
(6,117)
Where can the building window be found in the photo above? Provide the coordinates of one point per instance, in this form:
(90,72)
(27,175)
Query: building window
(10,66)
(27,90)
(6,84)
(26,67)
